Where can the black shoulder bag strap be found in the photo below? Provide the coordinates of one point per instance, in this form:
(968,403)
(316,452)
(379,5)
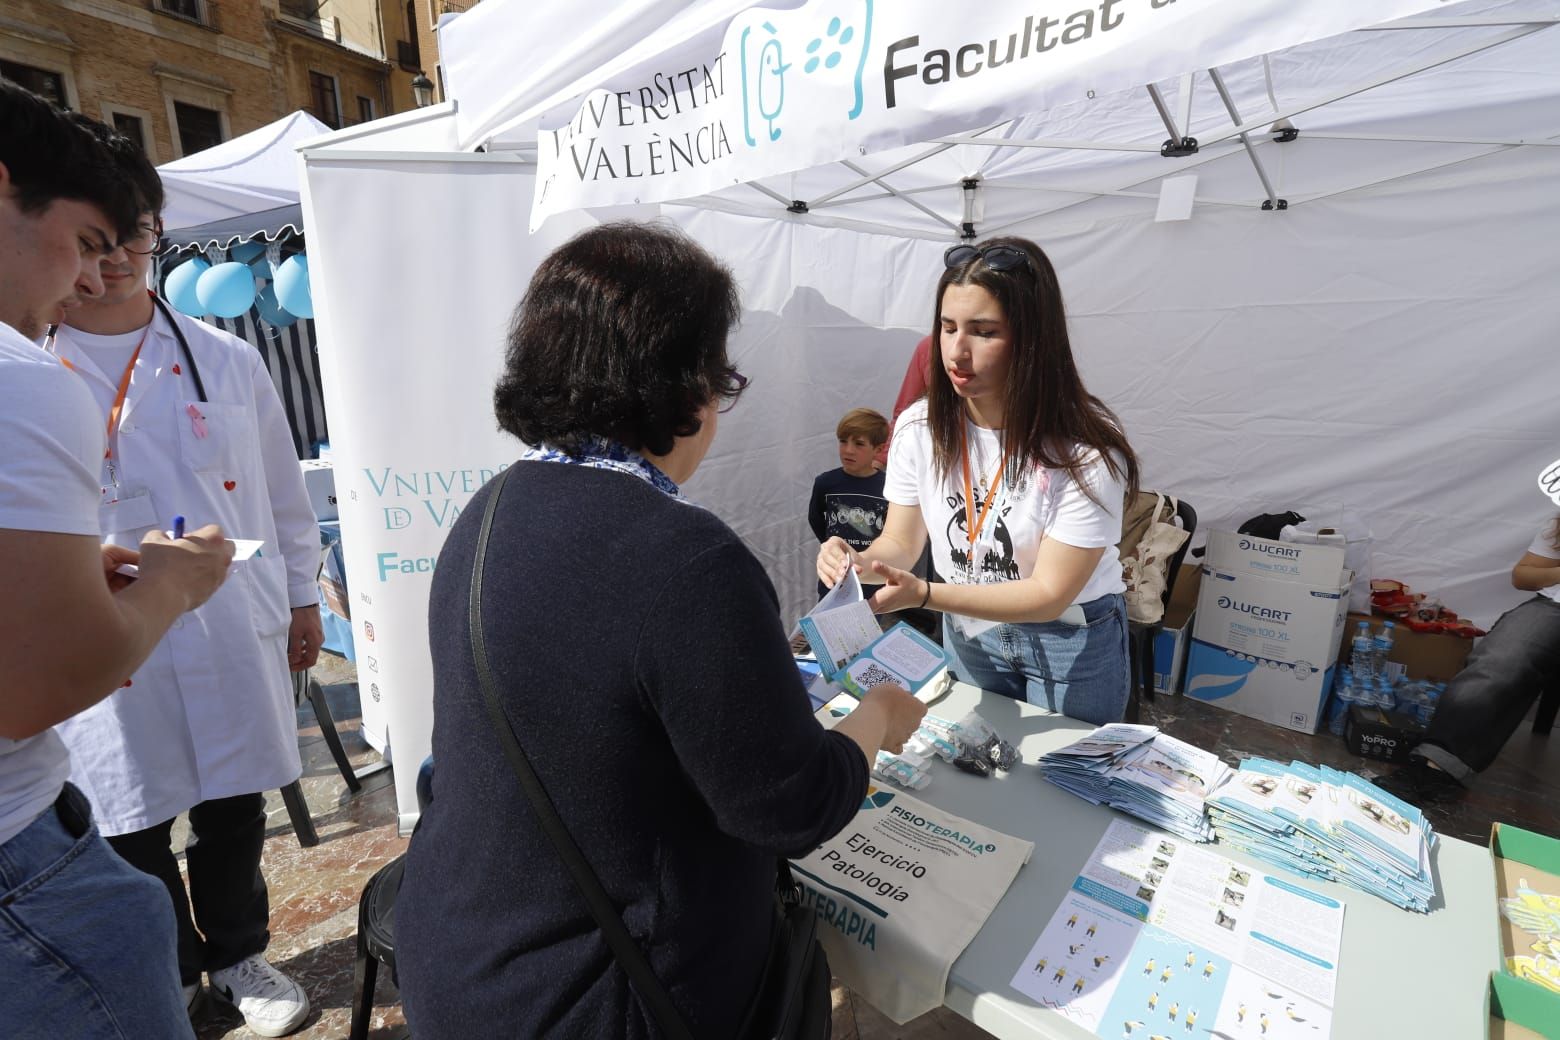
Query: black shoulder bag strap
(628,953)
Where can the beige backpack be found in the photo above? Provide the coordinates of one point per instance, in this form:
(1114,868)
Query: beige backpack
(1149,538)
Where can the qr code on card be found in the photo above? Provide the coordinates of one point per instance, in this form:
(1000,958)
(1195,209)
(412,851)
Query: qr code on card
(872,674)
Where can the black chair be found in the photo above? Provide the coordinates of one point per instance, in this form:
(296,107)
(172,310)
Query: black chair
(292,794)
(376,922)
(1140,638)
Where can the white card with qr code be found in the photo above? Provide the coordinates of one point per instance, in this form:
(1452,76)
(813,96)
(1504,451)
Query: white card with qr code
(902,656)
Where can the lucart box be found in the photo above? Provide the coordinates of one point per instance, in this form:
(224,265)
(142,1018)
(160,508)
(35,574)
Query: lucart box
(1265,647)
(1281,561)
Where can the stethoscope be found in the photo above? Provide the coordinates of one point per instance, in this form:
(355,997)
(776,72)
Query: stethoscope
(178,334)
(184,346)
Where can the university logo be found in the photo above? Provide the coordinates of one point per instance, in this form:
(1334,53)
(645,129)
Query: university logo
(832,51)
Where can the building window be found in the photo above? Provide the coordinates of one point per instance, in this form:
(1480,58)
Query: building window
(365,109)
(199,128)
(43,82)
(131,127)
(198,11)
(326,104)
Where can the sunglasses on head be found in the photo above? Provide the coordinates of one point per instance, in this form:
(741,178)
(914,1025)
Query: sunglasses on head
(998,258)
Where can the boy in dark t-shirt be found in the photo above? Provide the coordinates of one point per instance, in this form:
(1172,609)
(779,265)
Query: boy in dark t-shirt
(849,501)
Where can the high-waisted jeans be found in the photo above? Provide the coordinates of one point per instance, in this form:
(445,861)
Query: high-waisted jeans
(1081,671)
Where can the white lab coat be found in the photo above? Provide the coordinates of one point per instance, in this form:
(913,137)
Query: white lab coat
(210,714)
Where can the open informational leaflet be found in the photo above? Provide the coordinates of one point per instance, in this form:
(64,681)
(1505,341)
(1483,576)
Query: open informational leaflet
(1159,937)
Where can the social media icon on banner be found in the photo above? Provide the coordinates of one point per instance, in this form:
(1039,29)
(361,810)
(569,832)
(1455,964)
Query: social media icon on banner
(368,630)
(769,56)
(1549,481)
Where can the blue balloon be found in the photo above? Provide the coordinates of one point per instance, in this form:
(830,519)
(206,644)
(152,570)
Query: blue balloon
(180,287)
(247,251)
(292,286)
(271,310)
(226,290)
(262,269)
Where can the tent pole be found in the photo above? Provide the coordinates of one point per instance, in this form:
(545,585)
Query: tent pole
(853,168)
(870,178)
(1273,201)
(1176,146)
(1391,77)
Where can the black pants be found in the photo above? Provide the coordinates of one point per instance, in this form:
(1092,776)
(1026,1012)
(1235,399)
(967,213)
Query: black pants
(231,908)
(1484,705)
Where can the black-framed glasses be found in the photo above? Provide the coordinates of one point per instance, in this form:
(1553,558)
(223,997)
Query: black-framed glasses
(736,382)
(145,241)
(998,258)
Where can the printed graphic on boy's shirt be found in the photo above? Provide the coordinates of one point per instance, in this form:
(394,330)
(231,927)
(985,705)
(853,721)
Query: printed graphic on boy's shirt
(856,518)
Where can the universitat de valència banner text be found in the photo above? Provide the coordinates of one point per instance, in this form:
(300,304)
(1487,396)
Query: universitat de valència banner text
(836,79)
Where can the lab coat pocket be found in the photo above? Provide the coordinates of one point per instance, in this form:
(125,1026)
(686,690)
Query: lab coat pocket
(210,433)
(266,578)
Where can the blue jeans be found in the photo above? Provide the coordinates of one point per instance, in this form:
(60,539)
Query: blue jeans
(86,940)
(1081,671)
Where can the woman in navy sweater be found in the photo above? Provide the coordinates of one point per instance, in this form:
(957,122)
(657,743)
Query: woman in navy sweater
(637,648)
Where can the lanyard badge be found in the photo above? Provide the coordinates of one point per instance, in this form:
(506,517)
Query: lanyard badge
(973,521)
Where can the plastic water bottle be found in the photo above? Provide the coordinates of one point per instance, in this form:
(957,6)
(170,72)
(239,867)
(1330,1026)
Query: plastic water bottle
(1381,646)
(1338,708)
(1362,652)
(1386,697)
(1432,700)
(1411,697)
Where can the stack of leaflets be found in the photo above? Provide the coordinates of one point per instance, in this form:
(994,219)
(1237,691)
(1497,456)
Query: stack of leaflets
(1318,821)
(1141,771)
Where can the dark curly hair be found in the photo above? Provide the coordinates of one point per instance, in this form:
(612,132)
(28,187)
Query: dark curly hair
(621,334)
(52,154)
(131,160)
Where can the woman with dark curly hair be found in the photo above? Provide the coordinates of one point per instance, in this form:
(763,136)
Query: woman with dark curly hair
(638,653)
(1016,474)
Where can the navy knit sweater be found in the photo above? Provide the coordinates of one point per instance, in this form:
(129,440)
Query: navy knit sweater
(638,650)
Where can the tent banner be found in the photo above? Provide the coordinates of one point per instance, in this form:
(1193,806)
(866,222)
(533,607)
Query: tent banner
(837,79)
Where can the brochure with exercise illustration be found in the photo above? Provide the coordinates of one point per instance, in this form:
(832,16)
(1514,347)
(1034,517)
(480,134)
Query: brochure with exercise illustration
(1159,937)
(1330,824)
(1140,770)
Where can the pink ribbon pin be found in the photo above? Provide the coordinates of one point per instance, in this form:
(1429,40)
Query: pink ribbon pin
(197,420)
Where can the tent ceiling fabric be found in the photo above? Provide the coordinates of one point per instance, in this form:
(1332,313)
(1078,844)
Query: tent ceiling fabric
(251,173)
(1450,86)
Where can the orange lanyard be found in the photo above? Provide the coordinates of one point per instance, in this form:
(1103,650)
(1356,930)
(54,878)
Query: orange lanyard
(973,523)
(119,398)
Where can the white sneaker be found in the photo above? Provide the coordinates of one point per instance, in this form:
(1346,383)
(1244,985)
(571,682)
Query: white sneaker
(272,1004)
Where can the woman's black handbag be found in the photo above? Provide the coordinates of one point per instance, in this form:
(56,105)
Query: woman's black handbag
(793,998)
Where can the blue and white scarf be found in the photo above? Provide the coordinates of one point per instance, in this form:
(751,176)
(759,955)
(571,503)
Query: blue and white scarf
(602,453)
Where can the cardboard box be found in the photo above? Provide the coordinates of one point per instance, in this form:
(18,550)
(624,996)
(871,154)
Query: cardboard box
(1423,655)
(1265,647)
(320,478)
(1387,736)
(1264,558)
(1171,641)
(1523,859)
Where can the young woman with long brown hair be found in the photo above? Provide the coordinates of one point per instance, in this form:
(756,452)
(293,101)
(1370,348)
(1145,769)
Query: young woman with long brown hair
(1016,475)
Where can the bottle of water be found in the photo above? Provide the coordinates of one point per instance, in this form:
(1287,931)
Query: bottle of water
(1432,699)
(1362,654)
(1411,697)
(1386,698)
(1338,708)
(1381,646)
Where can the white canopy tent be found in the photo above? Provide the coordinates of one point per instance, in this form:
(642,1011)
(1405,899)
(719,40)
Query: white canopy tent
(253,172)
(1376,345)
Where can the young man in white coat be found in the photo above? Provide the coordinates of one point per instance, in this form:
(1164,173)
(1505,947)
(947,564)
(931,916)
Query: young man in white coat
(87,945)
(207,724)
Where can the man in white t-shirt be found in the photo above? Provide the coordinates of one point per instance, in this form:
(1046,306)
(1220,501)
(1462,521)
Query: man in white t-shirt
(86,942)
(1508,669)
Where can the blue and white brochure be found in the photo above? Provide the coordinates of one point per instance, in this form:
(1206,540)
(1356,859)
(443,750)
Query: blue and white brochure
(901,656)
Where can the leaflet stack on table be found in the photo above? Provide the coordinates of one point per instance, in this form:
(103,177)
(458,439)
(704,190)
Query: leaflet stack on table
(1141,771)
(1329,824)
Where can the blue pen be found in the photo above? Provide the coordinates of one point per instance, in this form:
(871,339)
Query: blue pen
(178,527)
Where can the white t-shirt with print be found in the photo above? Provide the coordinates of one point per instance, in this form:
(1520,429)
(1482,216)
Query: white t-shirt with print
(1026,508)
(51,441)
(1543,545)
